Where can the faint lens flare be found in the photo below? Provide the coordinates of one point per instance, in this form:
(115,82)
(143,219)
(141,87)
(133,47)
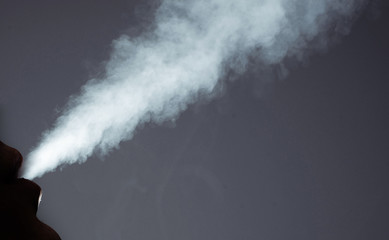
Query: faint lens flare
(154,76)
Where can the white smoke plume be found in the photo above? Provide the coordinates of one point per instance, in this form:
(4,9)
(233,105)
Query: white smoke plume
(154,76)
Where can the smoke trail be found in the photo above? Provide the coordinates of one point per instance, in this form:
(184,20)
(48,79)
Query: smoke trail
(154,76)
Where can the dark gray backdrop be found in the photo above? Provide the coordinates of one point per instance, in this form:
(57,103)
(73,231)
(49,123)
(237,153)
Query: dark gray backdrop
(305,157)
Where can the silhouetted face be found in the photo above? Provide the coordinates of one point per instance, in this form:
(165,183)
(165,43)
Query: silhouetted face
(19,201)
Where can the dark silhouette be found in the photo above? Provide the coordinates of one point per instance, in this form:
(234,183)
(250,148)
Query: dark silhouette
(19,201)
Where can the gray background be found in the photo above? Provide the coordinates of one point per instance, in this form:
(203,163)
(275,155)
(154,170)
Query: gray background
(303,157)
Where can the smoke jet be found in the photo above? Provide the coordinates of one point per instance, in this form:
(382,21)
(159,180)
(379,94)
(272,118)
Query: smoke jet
(157,74)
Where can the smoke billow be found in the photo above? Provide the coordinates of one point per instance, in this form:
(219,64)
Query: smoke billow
(154,76)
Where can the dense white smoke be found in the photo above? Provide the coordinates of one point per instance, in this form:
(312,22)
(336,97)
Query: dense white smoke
(154,76)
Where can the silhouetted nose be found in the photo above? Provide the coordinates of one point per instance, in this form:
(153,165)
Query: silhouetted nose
(10,162)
